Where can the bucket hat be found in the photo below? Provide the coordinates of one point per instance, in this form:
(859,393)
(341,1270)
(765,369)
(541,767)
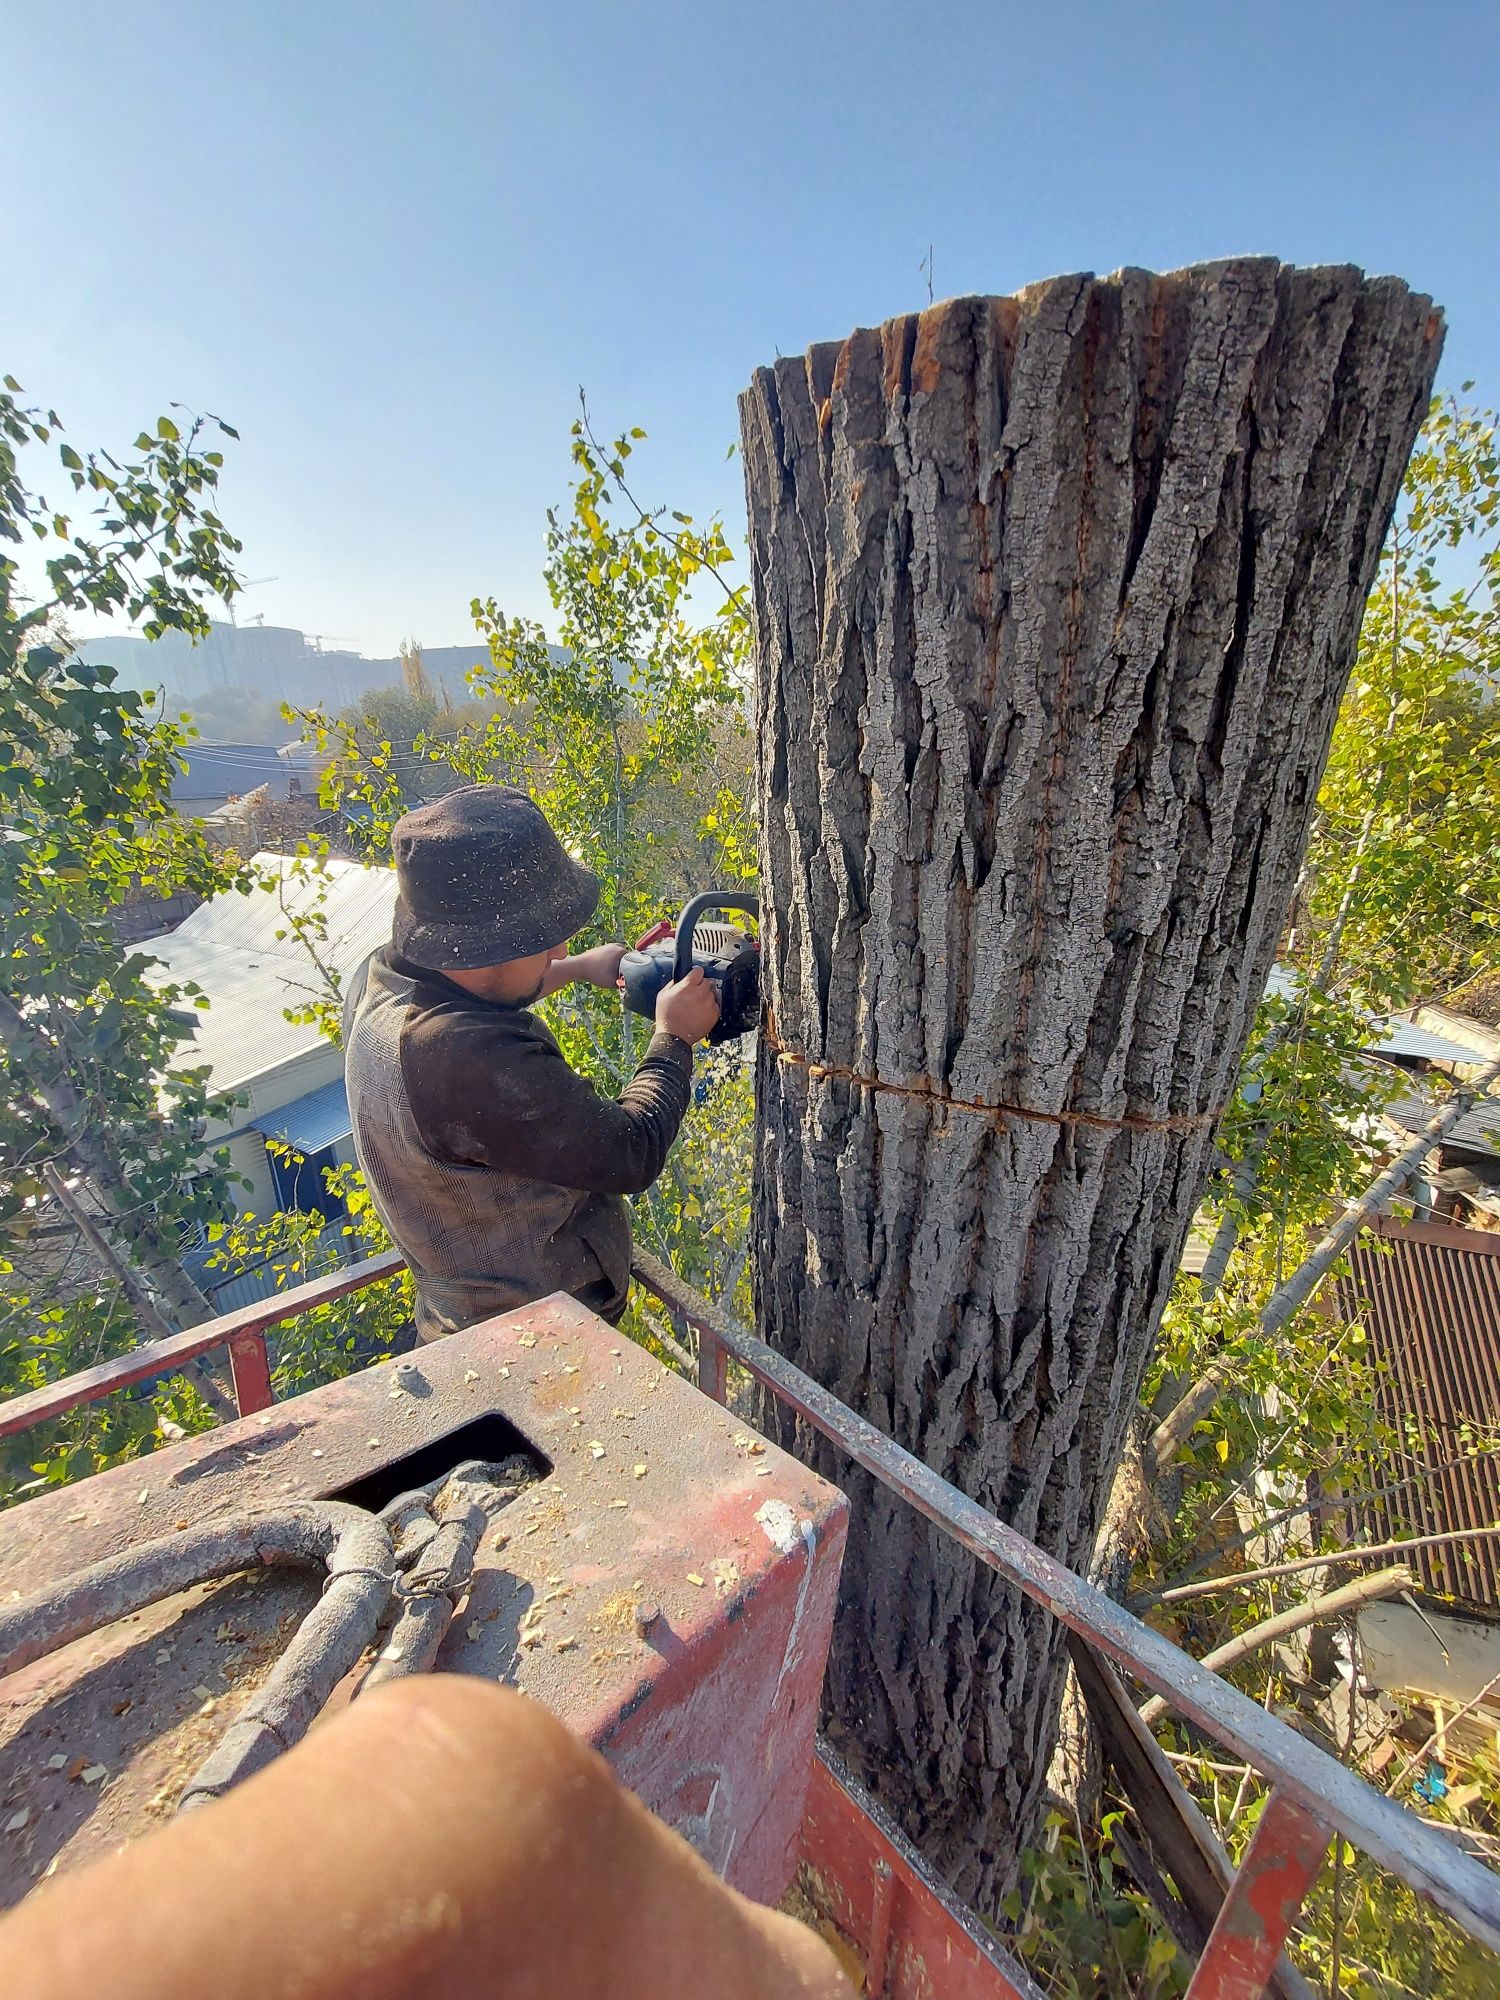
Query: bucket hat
(483,879)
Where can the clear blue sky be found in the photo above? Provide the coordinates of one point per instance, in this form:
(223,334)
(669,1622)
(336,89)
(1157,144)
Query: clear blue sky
(389,242)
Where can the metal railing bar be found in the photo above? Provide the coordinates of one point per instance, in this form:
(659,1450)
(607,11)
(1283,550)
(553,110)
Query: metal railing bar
(163,1357)
(1451,1879)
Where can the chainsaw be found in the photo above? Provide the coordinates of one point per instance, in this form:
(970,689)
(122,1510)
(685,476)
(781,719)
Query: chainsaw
(730,962)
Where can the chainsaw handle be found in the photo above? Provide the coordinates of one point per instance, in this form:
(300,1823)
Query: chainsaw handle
(687,923)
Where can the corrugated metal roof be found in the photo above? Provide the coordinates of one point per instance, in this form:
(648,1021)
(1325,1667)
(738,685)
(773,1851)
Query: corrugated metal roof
(215,770)
(310,1123)
(1477,1036)
(1423,1040)
(1478,1131)
(1402,1038)
(1428,1294)
(229,947)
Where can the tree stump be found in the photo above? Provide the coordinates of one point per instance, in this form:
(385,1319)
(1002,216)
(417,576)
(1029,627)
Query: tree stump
(1055,599)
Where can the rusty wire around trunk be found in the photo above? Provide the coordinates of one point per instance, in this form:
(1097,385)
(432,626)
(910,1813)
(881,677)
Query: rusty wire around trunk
(925,1091)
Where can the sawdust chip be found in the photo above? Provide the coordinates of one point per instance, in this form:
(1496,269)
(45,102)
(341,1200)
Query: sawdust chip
(764,1471)
(317,1454)
(92,1773)
(619,1503)
(596,1450)
(471,1374)
(639,1471)
(526,1340)
(143,1496)
(505,1372)
(475,1628)
(567,1643)
(59,1762)
(695,1580)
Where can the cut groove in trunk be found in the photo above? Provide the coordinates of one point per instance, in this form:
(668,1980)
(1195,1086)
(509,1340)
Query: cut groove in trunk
(1055,599)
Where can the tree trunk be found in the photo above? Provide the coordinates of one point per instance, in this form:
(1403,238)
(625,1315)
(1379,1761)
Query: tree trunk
(1055,599)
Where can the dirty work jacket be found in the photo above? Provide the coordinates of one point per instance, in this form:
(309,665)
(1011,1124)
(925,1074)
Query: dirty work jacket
(498,1169)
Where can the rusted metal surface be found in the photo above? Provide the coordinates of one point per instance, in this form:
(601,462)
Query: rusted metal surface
(1278,1868)
(1390,1834)
(1170,1820)
(666,1587)
(250,1458)
(250,1366)
(914,1938)
(1428,1295)
(713,1366)
(162,1357)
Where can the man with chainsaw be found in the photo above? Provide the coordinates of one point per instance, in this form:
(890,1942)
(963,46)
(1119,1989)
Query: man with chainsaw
(498,1170)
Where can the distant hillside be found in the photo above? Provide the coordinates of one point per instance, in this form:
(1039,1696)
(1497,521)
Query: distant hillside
(234,682)
(273,663)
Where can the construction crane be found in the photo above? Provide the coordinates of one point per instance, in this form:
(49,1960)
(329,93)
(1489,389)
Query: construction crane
(252,583)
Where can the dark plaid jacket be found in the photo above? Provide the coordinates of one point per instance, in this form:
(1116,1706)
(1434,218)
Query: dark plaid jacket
(498,1170)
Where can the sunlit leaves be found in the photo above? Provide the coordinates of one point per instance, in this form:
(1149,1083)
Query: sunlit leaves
(86,823)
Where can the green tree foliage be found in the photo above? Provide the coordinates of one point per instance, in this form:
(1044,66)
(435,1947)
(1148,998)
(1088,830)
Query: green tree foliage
(1403,895)
(237,715)
(629,732)
(97,1083)
(1399,902)
(294,1246)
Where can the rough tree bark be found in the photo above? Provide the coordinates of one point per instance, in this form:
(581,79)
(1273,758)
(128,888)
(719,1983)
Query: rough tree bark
(1055,598)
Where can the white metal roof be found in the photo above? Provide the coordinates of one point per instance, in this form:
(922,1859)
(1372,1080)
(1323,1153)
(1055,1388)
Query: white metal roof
(1404,1038)
(1478,1131)
(229,947)
(1478,1037)
(1393,1036)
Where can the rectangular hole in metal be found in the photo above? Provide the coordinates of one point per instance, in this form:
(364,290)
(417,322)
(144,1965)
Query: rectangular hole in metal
(489,1437)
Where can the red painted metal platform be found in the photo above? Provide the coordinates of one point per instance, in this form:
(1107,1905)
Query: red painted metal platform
(666,1587)
(722,1548)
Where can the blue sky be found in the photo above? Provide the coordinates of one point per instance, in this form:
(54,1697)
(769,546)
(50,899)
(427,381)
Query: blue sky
(389,242)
